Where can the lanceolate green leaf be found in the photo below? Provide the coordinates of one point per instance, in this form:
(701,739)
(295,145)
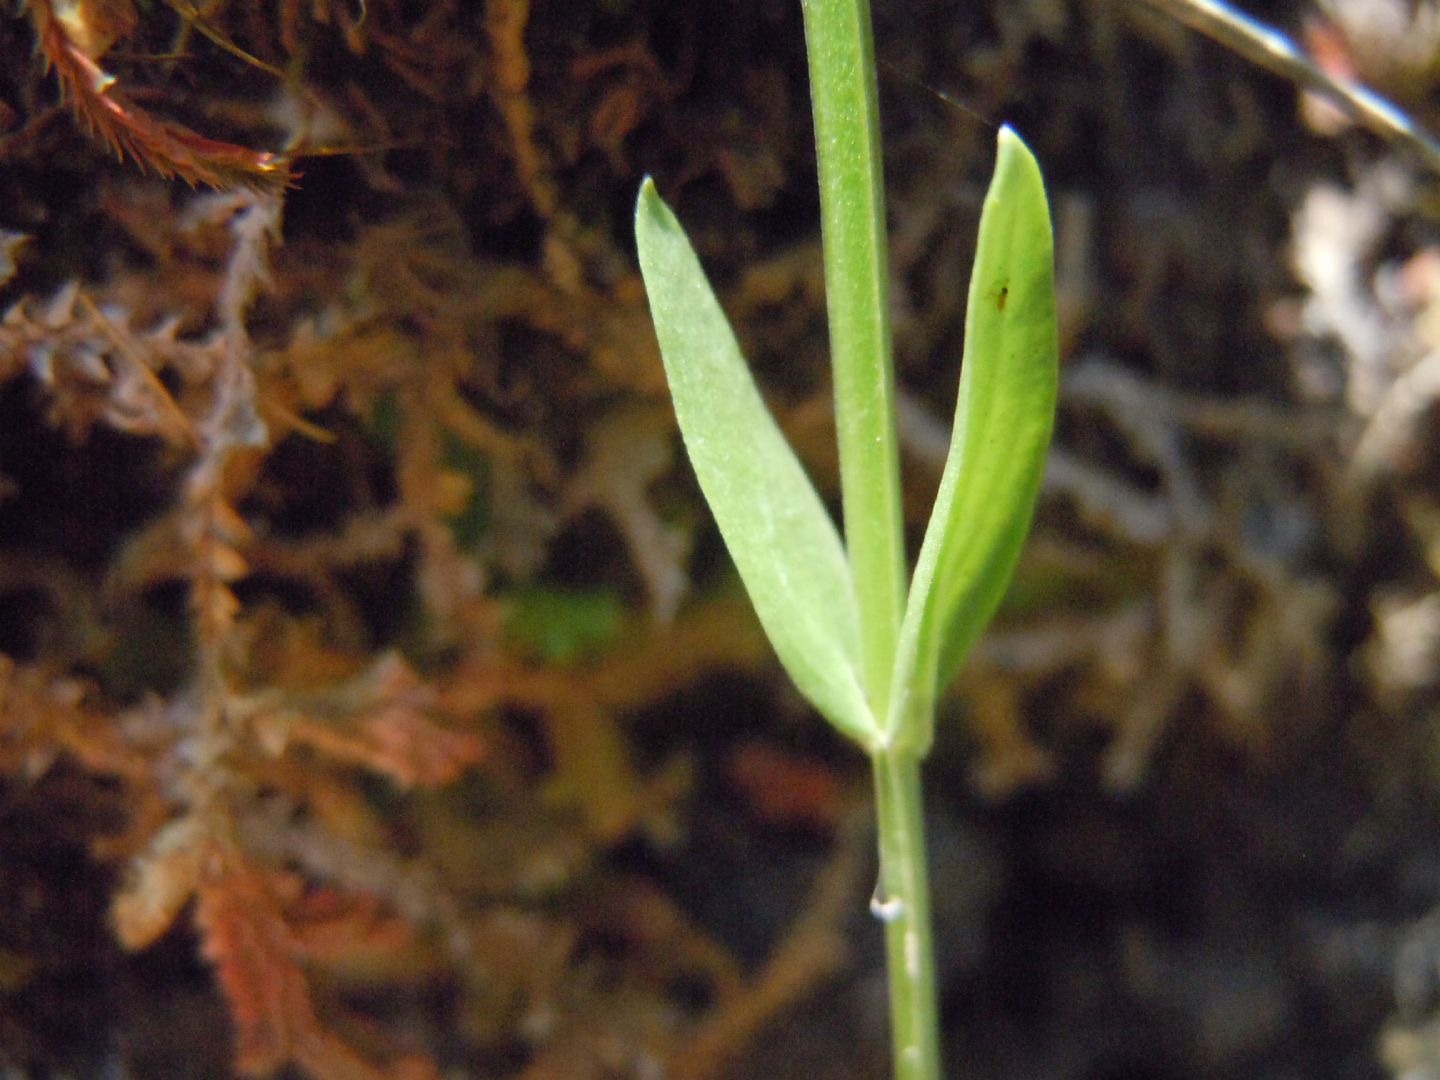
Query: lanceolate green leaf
(1003,422)
(778,532)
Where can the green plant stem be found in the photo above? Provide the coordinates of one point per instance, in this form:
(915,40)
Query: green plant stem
(903,904)
(840,45)
(841,49)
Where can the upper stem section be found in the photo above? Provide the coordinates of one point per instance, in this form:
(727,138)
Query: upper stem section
(841,49)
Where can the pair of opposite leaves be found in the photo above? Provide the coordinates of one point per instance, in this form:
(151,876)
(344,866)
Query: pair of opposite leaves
(779,534)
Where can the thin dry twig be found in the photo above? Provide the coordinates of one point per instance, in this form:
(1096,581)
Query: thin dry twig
(1266,47)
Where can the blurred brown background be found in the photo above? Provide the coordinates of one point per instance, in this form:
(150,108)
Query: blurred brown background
(376,698)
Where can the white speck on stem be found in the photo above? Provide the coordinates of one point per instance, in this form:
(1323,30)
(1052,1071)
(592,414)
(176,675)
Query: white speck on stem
(887,911)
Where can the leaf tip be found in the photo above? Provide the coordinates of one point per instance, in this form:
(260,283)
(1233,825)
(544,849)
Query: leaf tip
(1014,162)
(1008,142)
(648,201)
(653,219)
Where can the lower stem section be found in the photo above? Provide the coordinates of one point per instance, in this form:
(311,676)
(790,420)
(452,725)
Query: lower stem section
(902,903)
